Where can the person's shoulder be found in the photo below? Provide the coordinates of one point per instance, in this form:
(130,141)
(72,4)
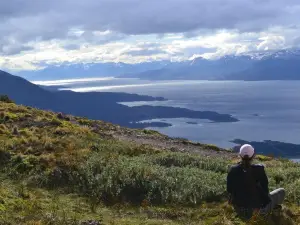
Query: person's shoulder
(258,166)
(238,165)
(235,167)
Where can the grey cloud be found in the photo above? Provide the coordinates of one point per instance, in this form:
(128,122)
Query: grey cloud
(91,38)
(9,46)
(296,41)
(148,45)
(13,50)
(144,52)
(154,16)
(71,46)
(33,20)
(146,48)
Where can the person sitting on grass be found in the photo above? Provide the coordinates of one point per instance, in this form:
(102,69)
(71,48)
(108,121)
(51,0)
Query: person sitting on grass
(248,187)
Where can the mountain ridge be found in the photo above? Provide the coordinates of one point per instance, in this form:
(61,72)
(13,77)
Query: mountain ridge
(245,66)
(80,70)
(270,65)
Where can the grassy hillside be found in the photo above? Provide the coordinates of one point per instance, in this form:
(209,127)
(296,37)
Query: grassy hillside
(58,169)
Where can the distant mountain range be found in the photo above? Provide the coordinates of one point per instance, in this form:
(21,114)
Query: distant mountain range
(198,69)
(267,65)
(83,70)
(279,65)
(98,105)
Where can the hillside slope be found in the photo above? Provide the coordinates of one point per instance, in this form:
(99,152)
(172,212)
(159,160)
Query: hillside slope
(62,169)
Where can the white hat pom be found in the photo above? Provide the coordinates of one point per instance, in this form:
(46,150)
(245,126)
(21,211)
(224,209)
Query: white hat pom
(246,150)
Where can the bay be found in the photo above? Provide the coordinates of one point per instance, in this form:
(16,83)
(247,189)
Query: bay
(267,110)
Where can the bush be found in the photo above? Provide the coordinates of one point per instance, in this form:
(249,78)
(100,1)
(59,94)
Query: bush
(293,192)
(15,131)
(122,148)
(6,99)
(192,161)
(284,176)
(56,122)
(5,156)
(151,132)
(211,147)
(3,129)
(114,178)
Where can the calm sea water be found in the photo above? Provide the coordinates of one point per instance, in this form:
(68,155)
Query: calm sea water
(266,110)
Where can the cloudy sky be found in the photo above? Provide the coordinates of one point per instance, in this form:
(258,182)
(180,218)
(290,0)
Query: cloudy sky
(36,33)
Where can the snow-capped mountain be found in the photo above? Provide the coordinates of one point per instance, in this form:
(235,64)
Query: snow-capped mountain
(275,54)
(271,65)
(266,65)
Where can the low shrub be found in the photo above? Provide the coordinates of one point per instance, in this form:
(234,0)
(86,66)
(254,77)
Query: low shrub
(192,161)
(293,192)
(6,99)
(5,156)
(56,122)
(114,178)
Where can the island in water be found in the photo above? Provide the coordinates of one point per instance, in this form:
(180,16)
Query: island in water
(272,148)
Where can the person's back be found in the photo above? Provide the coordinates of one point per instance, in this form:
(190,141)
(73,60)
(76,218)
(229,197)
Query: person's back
(247,185)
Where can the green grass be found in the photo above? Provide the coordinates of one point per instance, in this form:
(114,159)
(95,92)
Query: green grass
(59,169)
(151,132)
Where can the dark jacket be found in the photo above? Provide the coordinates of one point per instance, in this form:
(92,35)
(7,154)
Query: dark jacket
(248,188)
